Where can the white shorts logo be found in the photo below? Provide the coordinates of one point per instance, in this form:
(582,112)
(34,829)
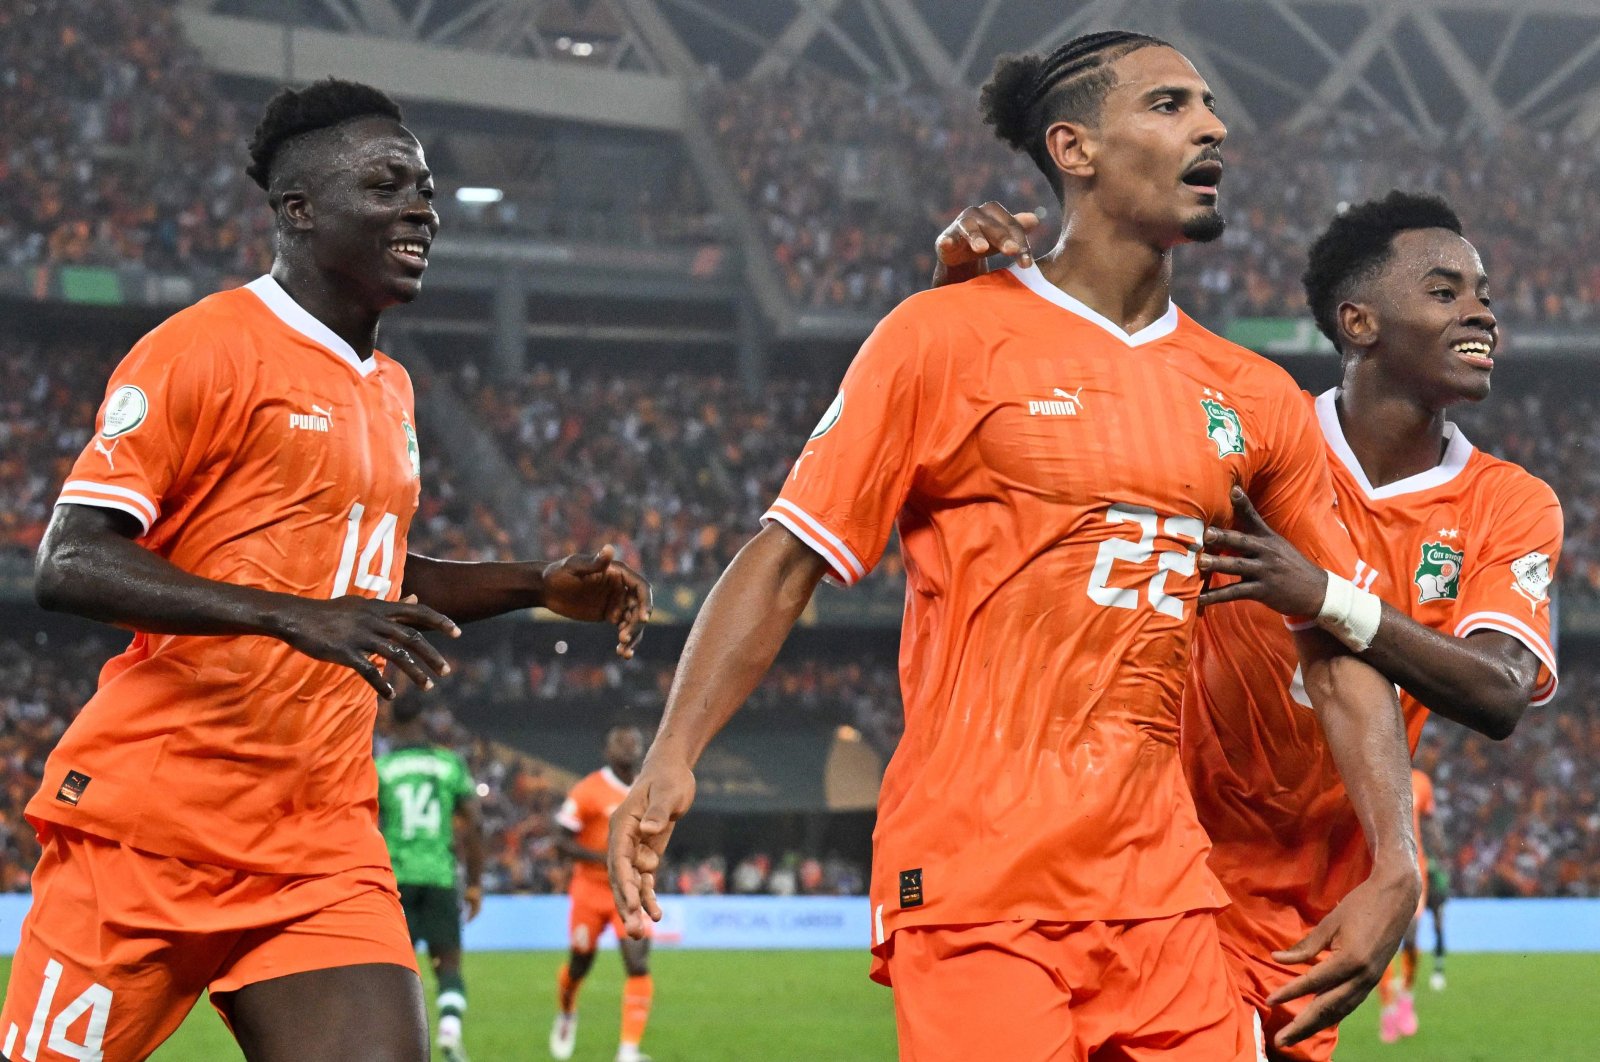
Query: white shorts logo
(125,411)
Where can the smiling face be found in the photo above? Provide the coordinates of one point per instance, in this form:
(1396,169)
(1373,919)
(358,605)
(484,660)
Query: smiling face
(1432,327)
(1153,161)
(364,202)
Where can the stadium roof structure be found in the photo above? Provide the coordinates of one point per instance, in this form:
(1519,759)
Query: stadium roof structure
(1444,69)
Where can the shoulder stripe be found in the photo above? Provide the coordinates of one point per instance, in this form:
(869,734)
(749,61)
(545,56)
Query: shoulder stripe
(89,486)
(1499,621)
(815,534)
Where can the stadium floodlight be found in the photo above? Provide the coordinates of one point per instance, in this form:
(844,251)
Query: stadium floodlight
(479,195)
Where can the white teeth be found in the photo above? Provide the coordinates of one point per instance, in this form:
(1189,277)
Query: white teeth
(1472,347)
(411,247)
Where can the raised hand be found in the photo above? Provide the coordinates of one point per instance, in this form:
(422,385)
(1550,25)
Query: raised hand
(977,232)
(1269,568)
(599,587)
(1361,935)
(353,630)
(640,829)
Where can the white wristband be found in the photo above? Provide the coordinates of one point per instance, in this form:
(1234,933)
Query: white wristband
(1350,614)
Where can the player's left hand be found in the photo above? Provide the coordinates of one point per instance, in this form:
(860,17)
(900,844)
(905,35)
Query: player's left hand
(472,896)
(1269,568)
(600,587)
(1361,935)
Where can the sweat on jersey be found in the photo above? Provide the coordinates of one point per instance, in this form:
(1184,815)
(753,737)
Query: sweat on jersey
(1049,474)
(254,447)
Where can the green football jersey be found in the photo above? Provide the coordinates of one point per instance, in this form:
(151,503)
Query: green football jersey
(418,790)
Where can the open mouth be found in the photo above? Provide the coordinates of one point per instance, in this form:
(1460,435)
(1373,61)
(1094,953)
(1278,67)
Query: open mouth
(1204,176)
(411,251)
(1474,352)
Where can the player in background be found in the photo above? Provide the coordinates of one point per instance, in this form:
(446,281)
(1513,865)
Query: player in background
(1438,890)
(427,807)
(1458,543)
(1398,1016)
(209,820)
(1052,442)
(581,824)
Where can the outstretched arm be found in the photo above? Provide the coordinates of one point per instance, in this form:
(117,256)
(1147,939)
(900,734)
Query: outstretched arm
(1483,681)
(1365,732)
(89,565)
(590,588)
(740,629)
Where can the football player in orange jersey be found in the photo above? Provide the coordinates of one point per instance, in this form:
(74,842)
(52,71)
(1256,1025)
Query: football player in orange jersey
(1459,544)
(209,820)
(1051,441)
(581,837)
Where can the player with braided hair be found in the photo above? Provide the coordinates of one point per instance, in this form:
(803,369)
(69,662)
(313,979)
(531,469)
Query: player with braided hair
(1052,441)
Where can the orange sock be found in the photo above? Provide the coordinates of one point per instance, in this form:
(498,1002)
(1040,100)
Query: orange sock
(567,990)
(636,995)
(1386,986)
(1408,969)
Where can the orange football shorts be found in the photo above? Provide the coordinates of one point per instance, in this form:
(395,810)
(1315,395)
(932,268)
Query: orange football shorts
(120,943)
(1030,991)
(593,908)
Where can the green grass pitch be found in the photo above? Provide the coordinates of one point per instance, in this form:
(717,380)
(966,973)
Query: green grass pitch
(819,1007)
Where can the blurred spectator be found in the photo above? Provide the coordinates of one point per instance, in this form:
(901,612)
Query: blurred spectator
(851,186)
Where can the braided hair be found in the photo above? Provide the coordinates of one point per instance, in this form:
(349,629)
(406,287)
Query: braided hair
(1027,94)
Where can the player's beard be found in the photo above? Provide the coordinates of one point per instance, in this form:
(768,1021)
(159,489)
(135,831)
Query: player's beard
(1203,228)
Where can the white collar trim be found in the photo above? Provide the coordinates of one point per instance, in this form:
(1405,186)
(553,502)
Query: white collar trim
(1035,281)
(611,777)
(1457,451)
(297,317)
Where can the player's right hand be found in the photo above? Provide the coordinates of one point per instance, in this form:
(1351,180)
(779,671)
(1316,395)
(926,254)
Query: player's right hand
(353,630)
(640,828)
(977,232)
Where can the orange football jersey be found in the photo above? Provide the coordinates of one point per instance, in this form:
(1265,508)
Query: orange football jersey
(1422,807)
(587,813)
(1468,545)
(254,447)
(1049,474)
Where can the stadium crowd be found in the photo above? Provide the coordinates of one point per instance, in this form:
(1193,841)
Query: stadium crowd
(675,470)
(850,185)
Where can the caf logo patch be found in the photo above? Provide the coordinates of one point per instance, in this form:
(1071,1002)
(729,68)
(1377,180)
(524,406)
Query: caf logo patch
(125,411)
(830,416)
(1438,576)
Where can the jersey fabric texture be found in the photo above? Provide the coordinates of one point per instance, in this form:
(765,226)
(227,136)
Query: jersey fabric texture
(419,789)
(1468,545)
(1048,474)
(254,447)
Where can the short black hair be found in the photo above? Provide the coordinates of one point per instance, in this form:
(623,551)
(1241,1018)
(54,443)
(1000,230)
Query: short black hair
(322,104)
(1359,242)
(1027,94)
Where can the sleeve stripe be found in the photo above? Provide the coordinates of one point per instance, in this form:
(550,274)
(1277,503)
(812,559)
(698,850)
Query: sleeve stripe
(1499,621)
(571,822)
(818,529)
(841,571)
(86,486)
(106,503)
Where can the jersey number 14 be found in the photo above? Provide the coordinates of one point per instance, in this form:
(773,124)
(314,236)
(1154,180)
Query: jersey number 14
(371,570)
